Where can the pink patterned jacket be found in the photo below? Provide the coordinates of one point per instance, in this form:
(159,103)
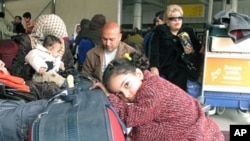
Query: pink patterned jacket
(162,111)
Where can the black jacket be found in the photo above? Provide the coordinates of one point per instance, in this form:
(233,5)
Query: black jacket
(19,28)
(165,52)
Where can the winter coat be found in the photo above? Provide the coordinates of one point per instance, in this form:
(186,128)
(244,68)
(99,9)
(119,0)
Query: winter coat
(161,111)
(38,57)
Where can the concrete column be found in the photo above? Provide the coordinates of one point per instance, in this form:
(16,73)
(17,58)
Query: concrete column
(234,5)
(137,14)
(2,6)
(210,11)
(119,13)
(53,6)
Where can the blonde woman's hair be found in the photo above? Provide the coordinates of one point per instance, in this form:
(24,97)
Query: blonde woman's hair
(171,9)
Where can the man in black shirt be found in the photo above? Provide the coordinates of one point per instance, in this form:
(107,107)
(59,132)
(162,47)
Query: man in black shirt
(18,26)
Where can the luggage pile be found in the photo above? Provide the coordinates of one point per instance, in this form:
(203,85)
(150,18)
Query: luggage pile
(43,111)
(72,114)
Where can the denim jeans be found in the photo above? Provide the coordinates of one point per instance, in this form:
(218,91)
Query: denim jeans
(193,88)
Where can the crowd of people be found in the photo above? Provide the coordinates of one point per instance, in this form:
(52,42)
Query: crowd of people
(9,29)
(146,81)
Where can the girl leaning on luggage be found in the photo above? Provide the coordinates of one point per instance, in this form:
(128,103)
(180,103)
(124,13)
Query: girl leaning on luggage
(158,109)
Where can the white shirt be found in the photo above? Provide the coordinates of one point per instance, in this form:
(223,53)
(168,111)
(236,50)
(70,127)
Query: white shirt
(108,56)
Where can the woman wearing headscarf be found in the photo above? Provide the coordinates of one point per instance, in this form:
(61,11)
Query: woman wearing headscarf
(48,24)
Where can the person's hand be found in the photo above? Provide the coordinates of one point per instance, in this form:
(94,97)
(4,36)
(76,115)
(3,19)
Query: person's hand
(154,70)
(188,49)
(2,64)
(4,70)
(42,70)
(101,86)
(62,67)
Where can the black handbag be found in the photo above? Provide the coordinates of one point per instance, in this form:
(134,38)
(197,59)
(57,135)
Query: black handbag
(188,63)
(191,62)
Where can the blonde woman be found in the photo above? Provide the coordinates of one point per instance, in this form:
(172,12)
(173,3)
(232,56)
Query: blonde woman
(165,49)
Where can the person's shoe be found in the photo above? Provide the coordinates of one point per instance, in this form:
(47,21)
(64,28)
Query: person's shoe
(70,81)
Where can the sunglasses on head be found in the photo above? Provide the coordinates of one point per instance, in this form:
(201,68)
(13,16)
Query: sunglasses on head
(175,18)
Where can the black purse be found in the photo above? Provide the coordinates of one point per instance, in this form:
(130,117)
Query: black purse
(191,62)
(188,63)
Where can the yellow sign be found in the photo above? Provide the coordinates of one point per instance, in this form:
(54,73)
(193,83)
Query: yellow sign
(227,72)
(196,10)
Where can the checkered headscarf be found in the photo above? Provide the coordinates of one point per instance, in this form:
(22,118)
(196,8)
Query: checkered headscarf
(48,24)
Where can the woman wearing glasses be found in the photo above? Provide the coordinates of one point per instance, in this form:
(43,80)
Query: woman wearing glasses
(166,50)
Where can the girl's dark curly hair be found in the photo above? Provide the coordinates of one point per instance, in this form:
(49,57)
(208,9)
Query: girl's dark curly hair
(124,66)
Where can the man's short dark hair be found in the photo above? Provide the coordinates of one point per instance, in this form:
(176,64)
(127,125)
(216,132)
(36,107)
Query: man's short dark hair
(19,17)
(27,15)
(160,14)
(2,14)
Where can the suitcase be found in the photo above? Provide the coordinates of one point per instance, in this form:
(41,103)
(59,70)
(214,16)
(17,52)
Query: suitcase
(78,114)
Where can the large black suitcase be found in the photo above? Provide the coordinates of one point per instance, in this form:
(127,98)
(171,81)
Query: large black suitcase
(78,114)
